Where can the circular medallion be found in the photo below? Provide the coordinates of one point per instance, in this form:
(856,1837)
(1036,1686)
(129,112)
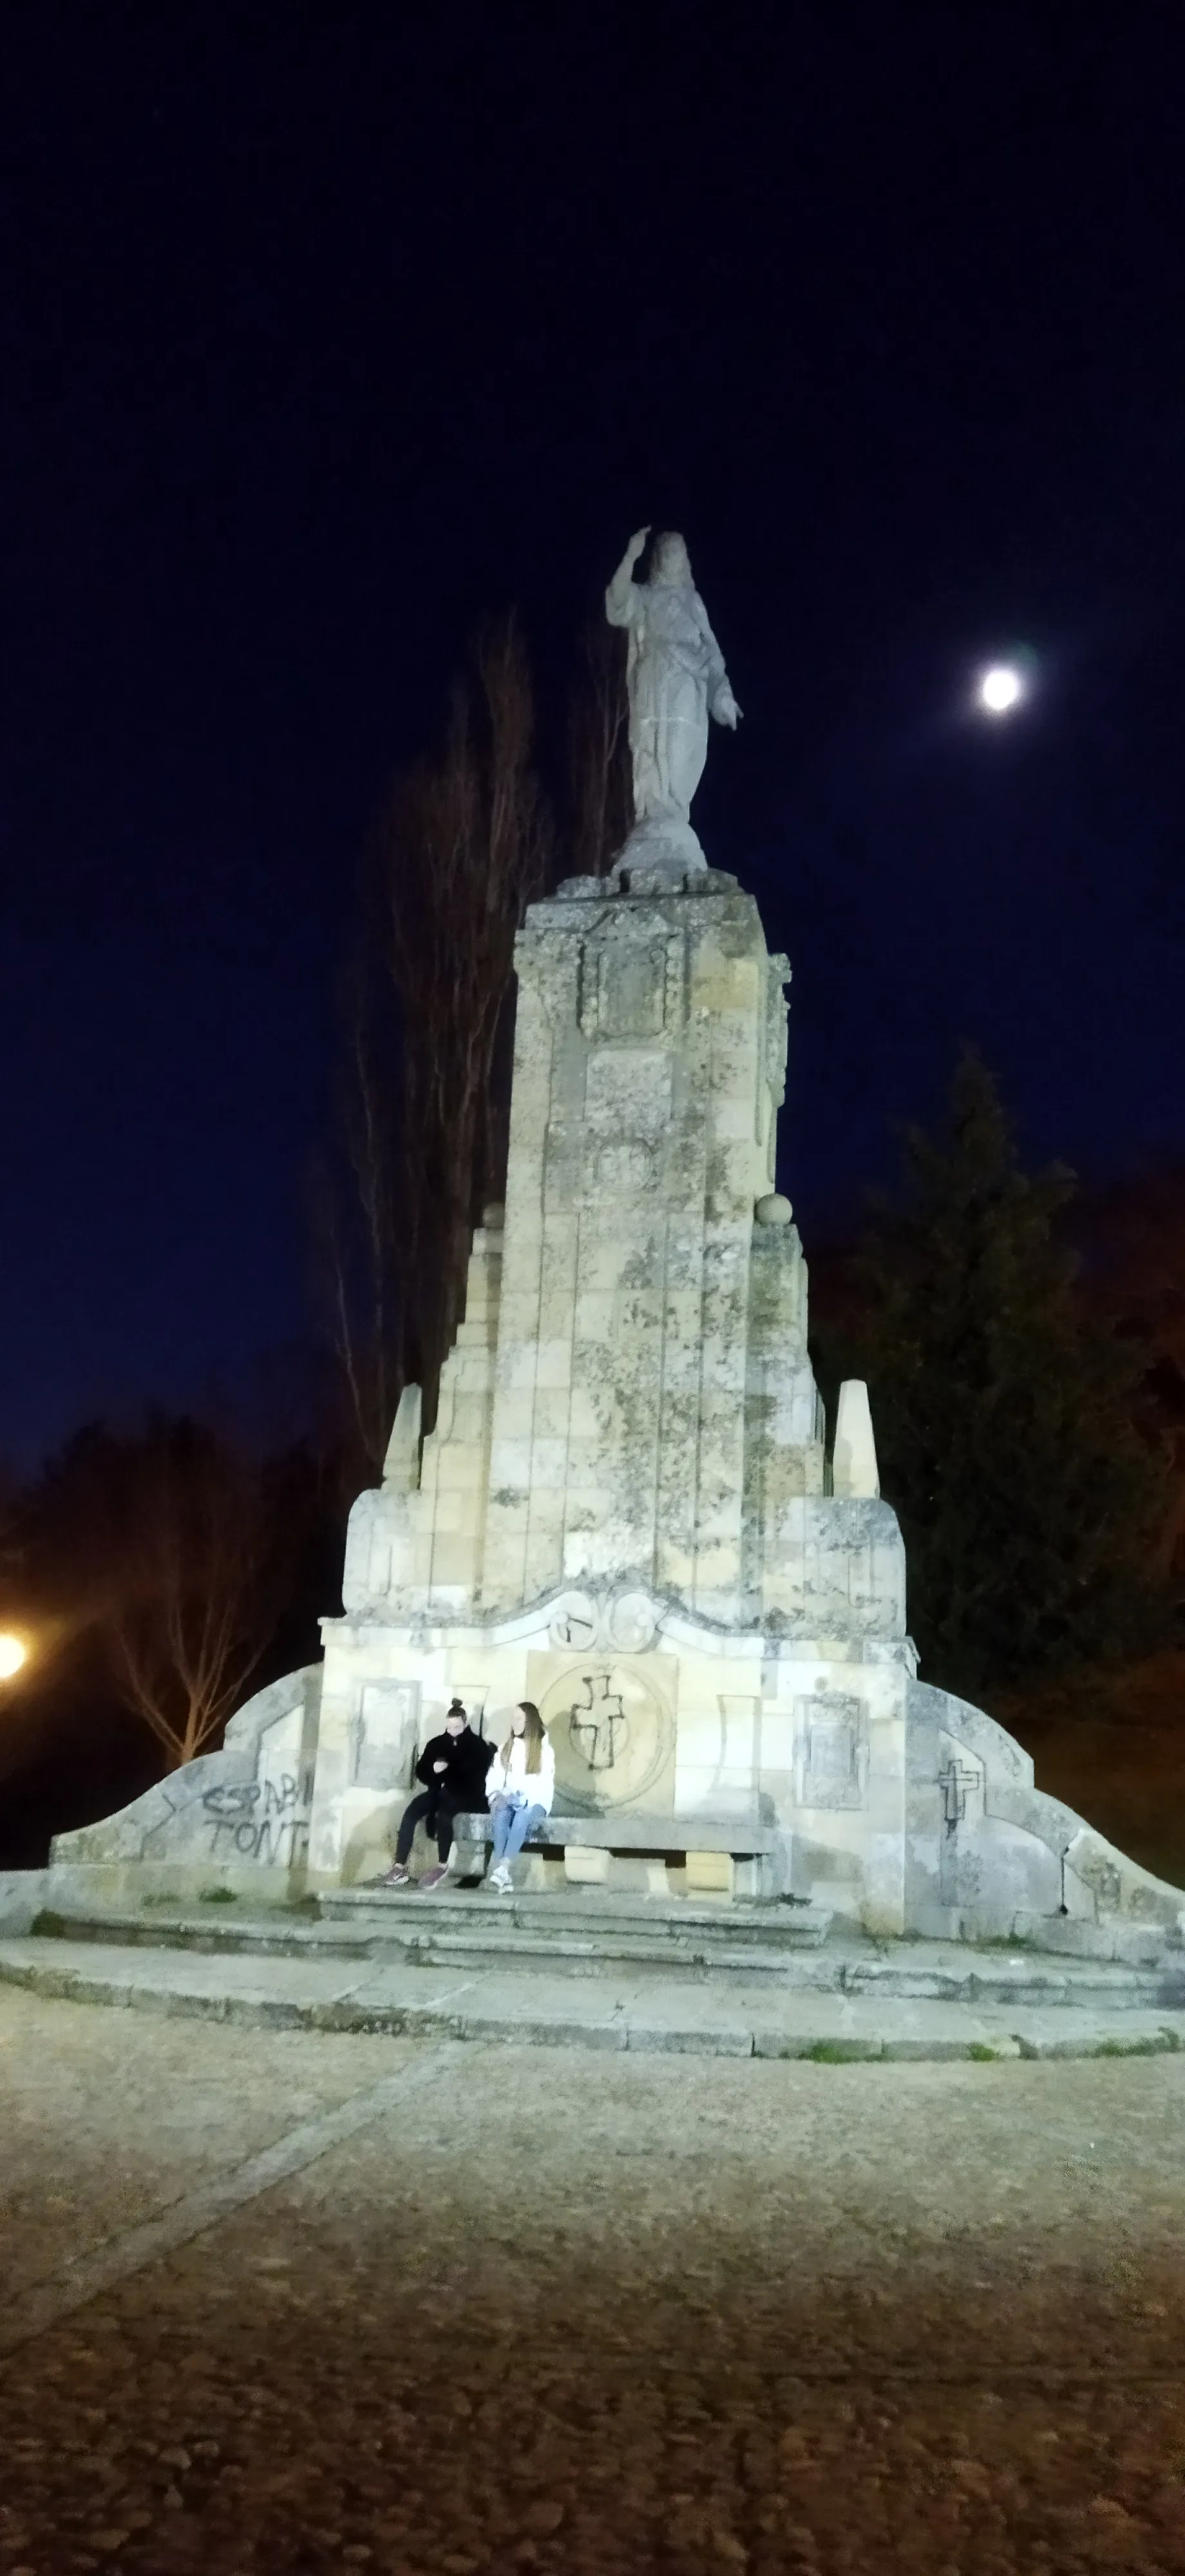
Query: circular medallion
(575,1621)
(612,1736)
(631,1622)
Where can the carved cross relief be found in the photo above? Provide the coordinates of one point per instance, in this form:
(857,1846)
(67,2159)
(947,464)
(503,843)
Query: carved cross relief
(954,1783)
(595,1721)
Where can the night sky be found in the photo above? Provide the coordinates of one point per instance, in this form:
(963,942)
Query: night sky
(320,338)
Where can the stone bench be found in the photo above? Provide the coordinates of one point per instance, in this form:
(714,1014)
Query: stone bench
(723,1855)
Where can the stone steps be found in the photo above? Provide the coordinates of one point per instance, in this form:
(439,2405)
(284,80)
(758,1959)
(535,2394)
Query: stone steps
(600,1913)
(535,1937)
(421,1942)
(330,1991)
(275,1934)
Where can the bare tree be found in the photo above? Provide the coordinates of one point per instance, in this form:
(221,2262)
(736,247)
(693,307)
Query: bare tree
(599,780)
(463,845)
(157,1568)
(200,1585)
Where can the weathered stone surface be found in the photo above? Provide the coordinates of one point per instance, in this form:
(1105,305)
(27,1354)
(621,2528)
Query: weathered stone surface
(853,1466)
(630,1390)
(495,1990)
(626,1512)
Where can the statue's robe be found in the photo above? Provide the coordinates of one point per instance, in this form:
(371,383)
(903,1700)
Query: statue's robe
(675,669)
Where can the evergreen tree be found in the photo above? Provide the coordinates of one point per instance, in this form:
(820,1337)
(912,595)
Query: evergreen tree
(1027,1500)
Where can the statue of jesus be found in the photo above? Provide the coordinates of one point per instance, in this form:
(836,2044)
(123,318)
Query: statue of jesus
(675,675)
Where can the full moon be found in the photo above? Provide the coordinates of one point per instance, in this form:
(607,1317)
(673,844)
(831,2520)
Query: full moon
(1000,688)
(12,1656)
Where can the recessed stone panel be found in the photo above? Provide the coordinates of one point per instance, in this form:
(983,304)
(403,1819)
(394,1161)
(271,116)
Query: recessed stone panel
(831,1762)
(385,1742)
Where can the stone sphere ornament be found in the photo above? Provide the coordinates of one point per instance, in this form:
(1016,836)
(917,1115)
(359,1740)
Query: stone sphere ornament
(773,1209)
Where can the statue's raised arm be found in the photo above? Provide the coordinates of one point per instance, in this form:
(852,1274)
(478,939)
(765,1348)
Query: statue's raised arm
(621,596)
(676,680)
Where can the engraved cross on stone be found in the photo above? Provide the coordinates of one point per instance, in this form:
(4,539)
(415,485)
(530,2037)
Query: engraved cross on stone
(954,1783)
(594,1722)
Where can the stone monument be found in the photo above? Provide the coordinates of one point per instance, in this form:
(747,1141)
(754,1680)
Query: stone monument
(628,1509)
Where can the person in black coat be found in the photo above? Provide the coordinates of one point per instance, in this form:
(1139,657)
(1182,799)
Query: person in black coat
(453,1768)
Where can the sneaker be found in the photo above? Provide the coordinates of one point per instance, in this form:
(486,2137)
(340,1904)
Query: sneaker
(396,1876)
(434,1877)
(499,1879)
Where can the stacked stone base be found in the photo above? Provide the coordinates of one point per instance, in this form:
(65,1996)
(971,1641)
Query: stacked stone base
(691,1760)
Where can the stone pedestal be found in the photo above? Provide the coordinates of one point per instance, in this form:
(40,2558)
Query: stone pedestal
(622,1512)
(630,1392)
(626,1513)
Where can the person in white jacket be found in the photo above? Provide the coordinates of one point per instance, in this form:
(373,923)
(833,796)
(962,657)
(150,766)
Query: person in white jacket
(520,1786)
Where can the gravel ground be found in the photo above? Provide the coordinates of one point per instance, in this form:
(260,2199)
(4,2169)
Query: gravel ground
(562,2311)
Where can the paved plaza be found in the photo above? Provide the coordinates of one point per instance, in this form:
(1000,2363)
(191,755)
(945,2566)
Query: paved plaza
(300,2300)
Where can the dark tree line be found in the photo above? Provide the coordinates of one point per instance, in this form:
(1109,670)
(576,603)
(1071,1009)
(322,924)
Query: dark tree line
(1132,1235)
(1017,1434)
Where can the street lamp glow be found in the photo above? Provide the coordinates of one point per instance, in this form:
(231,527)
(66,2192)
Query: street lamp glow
(1001,688)
(12,1656)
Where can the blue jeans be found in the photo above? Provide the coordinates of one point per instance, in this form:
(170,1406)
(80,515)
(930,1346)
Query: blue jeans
(512,1824)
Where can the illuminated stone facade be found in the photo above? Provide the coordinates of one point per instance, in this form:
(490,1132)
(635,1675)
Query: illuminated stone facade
(627,1512)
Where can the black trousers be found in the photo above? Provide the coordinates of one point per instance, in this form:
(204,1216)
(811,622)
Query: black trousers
(438,1808)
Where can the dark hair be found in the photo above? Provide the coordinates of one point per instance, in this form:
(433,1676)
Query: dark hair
(457,1708)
